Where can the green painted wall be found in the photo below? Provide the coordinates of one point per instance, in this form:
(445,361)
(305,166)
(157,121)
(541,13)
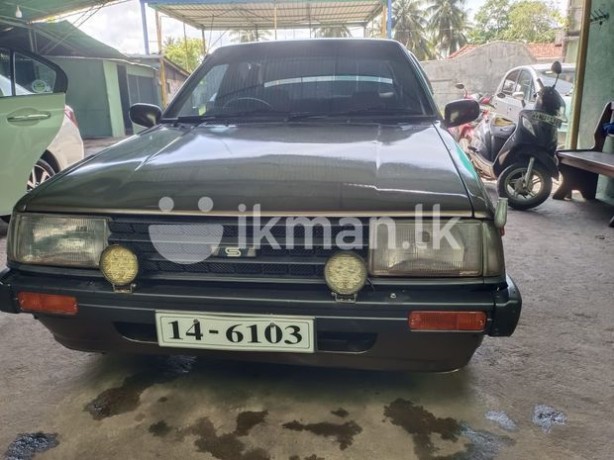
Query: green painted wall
(87,95)
(599,83)
(114,100)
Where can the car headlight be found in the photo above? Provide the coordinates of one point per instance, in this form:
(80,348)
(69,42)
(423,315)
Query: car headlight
(445,248)
(46,239)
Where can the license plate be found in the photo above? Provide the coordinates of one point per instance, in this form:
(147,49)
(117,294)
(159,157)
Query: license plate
(235,332)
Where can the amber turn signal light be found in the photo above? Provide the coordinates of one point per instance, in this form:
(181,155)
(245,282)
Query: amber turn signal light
(447,321)
(34,302)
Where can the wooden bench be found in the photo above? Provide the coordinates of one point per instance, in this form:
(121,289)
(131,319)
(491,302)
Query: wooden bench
(580,169)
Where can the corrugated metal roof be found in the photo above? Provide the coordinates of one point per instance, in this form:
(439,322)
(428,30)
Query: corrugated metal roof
(58,39)
(249,14)
(34,10)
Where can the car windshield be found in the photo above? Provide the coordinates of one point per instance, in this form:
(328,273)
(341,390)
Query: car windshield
(566,80)
(317,78)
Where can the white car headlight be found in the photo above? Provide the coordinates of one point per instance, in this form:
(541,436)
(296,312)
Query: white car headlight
(443,248)
(46,239)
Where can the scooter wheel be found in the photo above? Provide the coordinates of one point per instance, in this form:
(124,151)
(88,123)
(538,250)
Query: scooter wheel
(521,195)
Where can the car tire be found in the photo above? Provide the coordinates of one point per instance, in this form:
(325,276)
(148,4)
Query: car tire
(41,172)
(514,172)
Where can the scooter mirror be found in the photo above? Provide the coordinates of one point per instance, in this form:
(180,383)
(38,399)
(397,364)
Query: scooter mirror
(556,67)
(459,86)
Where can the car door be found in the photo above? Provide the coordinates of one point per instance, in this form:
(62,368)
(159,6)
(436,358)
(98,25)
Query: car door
(505,105)
(525,86)
(32,96)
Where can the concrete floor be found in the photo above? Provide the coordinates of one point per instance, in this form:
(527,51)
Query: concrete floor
(546,392)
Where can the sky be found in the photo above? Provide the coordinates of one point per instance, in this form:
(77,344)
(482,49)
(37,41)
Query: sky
(120,26)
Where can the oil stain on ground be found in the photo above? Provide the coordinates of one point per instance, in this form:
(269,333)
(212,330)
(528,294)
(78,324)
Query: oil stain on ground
(160,429)
(422,425)
(343,433)
(225,446)
(341,412)
(126,397)
(26,445)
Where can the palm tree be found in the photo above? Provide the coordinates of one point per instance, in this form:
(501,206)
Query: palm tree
(410,27)
(333,31)
(448,19)
(249,35)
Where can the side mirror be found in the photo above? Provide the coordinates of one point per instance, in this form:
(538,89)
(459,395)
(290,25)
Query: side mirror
(459,112)
(459,86)
(146,115)
(556,67)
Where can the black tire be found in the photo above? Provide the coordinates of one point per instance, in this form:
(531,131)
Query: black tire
(41,172)
(526,199)
(6,219)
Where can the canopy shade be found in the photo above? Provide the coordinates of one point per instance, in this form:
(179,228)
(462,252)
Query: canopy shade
(268,14)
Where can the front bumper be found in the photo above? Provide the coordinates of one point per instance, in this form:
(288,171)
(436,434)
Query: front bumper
(371,333)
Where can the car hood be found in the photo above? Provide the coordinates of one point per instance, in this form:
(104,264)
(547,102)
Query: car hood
(307,168)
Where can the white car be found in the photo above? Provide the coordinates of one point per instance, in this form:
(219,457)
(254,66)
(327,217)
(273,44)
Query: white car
(28,159)
(518,88)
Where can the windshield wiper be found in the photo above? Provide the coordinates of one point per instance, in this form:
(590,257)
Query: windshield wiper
(229,116)
(365,111)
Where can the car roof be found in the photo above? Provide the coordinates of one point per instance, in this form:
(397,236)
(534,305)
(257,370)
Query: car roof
(542,67)
(302,41)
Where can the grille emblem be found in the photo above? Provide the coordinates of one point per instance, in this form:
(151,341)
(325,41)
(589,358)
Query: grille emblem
(234,252)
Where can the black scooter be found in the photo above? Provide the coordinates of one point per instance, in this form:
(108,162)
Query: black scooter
(521,156)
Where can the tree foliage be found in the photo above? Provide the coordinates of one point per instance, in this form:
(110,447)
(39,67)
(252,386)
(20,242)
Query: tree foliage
(410,27)
(448,20)
(531,21)
(187,54)
(333,32)
(250,35)
(491,20)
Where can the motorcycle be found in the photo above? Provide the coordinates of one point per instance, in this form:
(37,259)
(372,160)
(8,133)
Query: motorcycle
(521,156)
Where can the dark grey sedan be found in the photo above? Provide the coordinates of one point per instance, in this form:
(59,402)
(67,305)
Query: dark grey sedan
(298,202)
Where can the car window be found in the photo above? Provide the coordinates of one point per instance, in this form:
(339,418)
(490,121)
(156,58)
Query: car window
(525,84)
(319,79)
(564,84)
(38,77)
(5,72)
(509,84)
(33,75)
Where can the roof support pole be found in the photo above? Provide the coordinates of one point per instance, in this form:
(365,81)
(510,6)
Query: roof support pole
(185,47)
(275,18)
(389,19)
(580,73)
(202,37)
(384,24)
(163,88)
(144,25)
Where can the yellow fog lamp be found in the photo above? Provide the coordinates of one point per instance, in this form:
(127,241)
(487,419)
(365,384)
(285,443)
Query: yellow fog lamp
(345,273)
(119,265)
